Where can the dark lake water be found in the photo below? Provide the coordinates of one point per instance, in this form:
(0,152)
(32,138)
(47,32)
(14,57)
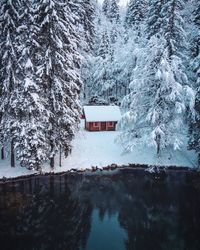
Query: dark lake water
(127,210)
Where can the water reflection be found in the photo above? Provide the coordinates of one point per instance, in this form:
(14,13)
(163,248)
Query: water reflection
(106,233)
(130,210)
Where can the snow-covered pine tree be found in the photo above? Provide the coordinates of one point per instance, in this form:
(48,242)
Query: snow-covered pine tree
(98,76)
(173,27)
(197,14)
(9,71)
(123,65)
(106,69)
(103,77)
(113,14)
(84,12)
(1,114)
(104,47)
(58,71)
(111,10)
(113,35)
(135,14)
(194,138)
(27,101)
(88,22)
(159,92)
(1,111)
(195,43)
(154,21)
(106,7)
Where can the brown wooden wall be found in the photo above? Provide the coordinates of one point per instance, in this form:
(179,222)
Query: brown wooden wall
(100,126)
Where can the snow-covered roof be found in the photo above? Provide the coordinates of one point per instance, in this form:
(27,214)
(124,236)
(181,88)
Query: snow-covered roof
(102,113)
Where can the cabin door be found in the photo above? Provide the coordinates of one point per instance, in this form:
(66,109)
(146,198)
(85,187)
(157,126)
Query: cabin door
(103,126)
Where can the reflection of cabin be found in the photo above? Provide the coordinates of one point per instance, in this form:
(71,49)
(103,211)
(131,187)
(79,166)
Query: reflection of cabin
(101,118)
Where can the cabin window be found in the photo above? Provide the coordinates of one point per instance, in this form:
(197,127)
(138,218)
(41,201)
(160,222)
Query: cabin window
(96,124)
(110,123)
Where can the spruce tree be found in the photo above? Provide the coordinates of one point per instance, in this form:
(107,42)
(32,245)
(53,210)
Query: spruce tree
(104,47)
(155,20)
(194,139)
(173,28)
(159,93)
(135,14)
(84,14)
(113,13)
(111,10)
(28,100)
(9,71)
(88,22)
(100,70)
(194,136)
(58,71)
(100,78)
(106,7)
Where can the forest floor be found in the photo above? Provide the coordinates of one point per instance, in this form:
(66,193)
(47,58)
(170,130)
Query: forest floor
(99,149)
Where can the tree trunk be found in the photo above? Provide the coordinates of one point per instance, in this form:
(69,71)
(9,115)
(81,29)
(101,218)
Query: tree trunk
(125,91)
(158,149)
(158,137)
(2,153)
(12,154)
(60,157)
(52,162)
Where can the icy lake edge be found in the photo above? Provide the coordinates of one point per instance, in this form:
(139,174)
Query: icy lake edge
(110,169)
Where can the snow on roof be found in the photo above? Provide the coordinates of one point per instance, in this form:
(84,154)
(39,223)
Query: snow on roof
(102,113)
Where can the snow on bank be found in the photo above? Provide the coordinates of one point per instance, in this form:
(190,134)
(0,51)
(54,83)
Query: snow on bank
(99,149)
(7,171)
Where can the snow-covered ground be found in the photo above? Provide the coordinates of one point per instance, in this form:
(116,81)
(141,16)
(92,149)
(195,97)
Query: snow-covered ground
(7,171)
(99,149)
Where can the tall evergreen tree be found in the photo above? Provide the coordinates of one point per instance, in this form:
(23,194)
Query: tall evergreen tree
(104,73)
(104,47)
(160,93)
(111,10)
(88,22)
(9,71)
(135,14)
(104,76)
(113,14)
(106,7)
(194,139)
(173,28)
(58,70)
(84,12)
(27,102)
(155,20)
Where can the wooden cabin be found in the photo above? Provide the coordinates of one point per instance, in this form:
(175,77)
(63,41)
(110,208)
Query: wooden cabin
(101,118)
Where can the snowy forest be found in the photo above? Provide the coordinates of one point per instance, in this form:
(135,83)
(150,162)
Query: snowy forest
(58,55)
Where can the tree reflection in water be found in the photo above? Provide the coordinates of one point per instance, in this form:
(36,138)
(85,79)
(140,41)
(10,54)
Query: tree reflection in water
(57,212)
